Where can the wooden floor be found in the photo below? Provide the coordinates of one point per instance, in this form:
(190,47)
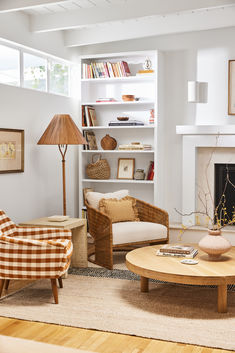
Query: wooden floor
(97,341)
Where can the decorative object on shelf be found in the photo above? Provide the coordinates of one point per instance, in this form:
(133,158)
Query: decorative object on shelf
(123,118)
(150,174)
(214,244)
(147,64)
(98,169)
(91,140)
(126,167)
(108,142)
(151,116)
(62,131)
(128,97)
(139,174)
(11,151)
(89,116)
(231,87)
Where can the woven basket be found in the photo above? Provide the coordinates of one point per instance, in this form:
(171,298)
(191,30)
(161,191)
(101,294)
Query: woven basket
(99,169)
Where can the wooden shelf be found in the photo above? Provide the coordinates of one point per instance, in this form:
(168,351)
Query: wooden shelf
(117,181)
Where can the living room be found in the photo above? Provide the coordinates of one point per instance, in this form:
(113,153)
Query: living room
(187,47)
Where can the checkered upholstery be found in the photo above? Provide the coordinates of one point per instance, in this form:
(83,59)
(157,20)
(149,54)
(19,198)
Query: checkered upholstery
(33,253)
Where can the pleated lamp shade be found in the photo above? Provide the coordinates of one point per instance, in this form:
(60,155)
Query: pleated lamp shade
(62,131)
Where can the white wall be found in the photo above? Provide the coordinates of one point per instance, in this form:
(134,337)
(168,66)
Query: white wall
(199,56)
(38,191)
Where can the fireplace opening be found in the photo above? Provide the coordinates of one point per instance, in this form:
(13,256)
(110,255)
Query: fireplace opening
(221,171)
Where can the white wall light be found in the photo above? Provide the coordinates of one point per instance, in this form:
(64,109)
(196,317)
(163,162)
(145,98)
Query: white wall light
(197,92)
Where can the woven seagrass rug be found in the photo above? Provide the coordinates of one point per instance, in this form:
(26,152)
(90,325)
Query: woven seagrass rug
(100,299)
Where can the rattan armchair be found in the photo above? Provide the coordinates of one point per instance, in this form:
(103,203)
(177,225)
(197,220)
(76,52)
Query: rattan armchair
(101,229)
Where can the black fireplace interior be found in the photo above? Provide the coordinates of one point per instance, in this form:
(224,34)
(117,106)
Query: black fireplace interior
(221,171)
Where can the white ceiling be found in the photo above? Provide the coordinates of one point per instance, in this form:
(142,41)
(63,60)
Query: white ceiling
(86,22)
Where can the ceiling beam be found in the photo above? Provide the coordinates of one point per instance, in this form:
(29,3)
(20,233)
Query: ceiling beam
(17,5)
(124,11)
(147,27)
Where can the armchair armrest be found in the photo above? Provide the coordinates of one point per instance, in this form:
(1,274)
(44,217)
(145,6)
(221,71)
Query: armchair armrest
(43,233)
(150,213)
(30,258)
(100,227)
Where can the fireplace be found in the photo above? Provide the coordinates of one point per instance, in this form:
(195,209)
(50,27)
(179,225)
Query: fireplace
(222,172)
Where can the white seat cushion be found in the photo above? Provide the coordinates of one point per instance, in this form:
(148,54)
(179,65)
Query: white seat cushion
(130,232)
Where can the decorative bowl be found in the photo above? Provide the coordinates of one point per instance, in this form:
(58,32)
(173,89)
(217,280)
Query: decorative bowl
(128,97)
(122,118)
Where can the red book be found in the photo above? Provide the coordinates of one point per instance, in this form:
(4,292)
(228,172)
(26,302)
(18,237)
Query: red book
(126,68)
(150,174)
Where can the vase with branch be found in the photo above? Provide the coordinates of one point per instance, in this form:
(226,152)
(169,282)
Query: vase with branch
(217,216)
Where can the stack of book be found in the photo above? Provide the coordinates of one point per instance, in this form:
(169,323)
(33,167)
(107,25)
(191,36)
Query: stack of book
(131,146)
(105,100)
(126,123)
(147,147)
(177,250)
(106,69)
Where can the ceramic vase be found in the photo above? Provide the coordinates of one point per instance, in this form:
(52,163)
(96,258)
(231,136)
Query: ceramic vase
(214,244)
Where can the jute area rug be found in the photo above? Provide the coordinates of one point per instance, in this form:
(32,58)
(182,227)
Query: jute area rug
(169,312)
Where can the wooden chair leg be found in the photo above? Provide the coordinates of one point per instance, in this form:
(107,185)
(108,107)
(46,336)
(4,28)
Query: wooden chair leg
(60,282)
(7,281)
(2,281)
(54,290)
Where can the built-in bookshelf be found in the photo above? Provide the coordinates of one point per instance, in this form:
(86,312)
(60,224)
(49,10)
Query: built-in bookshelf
(146,88)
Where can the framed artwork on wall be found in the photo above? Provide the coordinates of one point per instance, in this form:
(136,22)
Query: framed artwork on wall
(126,167)
(11,151)
(231,87)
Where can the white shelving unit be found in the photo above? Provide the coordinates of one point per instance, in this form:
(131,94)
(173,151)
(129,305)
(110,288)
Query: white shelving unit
(149,91)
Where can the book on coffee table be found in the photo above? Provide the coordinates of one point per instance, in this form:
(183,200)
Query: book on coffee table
(176,249)
(189,256)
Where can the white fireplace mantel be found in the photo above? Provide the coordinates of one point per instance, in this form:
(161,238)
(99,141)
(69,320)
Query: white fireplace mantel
(205,129)
(194,137)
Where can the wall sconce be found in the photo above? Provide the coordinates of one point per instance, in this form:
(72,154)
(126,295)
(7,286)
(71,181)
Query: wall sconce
(197,92)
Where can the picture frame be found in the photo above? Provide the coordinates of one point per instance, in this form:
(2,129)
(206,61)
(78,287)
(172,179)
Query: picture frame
(126,167)
(231,87)
(92,116)
(11,150)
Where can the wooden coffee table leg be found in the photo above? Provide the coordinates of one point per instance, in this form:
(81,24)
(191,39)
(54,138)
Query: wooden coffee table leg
(222,298)
(144,284)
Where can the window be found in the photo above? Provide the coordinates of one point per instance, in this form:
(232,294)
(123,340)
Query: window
(35,72)
(59,78)
(9,66)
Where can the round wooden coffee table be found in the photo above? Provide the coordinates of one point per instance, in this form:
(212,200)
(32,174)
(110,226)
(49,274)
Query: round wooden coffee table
(147,264)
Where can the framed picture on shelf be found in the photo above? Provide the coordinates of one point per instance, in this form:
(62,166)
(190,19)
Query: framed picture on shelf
(11,151)
(126,167)
(231,87)
(92,116)
(91,140)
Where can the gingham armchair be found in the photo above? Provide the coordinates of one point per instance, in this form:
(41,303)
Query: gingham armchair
(33,253)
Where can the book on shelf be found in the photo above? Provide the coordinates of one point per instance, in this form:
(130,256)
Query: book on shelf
(150,173)
(180,249)
(105,69)
(88,116)
(131,147)
(189,256)
(126,123)
(91,140)
(145,72)
(101,100)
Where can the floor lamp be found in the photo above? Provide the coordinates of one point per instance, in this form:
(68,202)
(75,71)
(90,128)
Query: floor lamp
(62,131)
